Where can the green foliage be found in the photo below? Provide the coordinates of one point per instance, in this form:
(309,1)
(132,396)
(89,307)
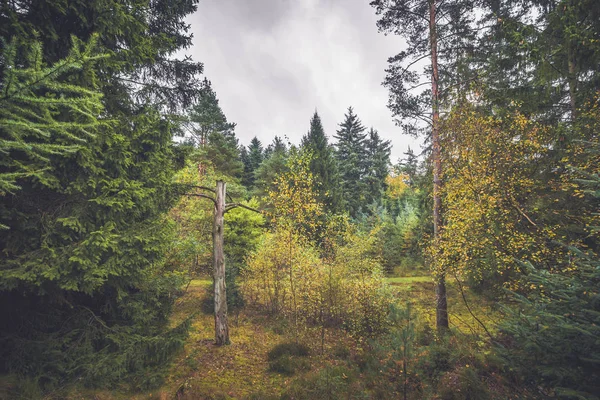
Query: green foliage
(331,382)
(555,327)
(323,166)
(377,170)
(214,135)
(351,155)
(88,149)
(252,159)
(275,164)
(45,116)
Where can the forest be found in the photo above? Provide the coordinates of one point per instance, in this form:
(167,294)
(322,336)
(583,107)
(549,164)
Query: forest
(145,252)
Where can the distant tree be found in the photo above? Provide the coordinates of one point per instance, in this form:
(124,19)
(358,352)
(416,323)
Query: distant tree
(409,166)
(378,166)
(323,165)
(253,158)
(277,145)
(207,117)
(351,155)
(214,135)
(275,164)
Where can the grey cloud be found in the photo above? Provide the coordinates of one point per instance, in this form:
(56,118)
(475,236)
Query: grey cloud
(272,62)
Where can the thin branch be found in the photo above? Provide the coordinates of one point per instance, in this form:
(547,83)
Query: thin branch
(523,213)
(202,195)
(407,10)
(201,187)
(234,205)
(462,293)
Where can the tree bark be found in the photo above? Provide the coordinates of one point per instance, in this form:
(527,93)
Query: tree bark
(221,324)
(441,300)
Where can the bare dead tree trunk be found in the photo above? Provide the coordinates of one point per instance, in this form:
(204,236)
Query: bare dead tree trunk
(440,291)
(221,324)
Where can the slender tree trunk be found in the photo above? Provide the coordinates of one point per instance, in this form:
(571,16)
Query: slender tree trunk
(441,301)
(221,324)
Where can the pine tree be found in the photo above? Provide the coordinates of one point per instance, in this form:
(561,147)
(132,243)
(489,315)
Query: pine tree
(274,164)
(378,164)
(254,157)
(539,57)
(82,263)
(323,165)
(441,32)
(351,155)
(214,135)
(208,117)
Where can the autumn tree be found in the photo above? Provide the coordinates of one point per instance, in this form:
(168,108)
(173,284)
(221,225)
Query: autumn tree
(439,31)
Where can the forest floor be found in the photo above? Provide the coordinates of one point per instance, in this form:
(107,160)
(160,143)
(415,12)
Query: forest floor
(241,370)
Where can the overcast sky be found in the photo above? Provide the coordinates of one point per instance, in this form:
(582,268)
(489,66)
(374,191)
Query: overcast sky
(273,62)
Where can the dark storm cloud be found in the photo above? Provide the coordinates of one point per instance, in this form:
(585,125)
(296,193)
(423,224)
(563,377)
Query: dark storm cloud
(272,62)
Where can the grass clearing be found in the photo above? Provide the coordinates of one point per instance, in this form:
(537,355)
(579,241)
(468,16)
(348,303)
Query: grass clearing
(242,370)
(401,280)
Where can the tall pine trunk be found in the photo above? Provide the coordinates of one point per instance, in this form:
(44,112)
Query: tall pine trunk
(221,324)
(441,301)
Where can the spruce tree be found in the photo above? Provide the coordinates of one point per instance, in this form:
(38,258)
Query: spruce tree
(323,165)
(253,158)
(82,264)
(351,155)
(378,164)
(214,135)
(274,164)
(207,117)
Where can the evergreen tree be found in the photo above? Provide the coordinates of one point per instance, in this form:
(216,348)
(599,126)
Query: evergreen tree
(378,164)
(539,57)
(409,166)
(214,135)
(253,158)
(442,32)
(323,165)
(82,264)
(274,164)
(277,145)
(351,155)
(207,116)
(31,125)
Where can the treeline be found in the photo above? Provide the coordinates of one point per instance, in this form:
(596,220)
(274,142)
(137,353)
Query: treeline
(350,174)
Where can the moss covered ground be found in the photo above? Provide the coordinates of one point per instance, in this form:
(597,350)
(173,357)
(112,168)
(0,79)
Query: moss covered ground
(242,370)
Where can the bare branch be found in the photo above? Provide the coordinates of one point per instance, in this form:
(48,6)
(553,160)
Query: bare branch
(202,195)
(234,205)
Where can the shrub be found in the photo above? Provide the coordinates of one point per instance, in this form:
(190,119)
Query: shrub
(287,358)
(290,349)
